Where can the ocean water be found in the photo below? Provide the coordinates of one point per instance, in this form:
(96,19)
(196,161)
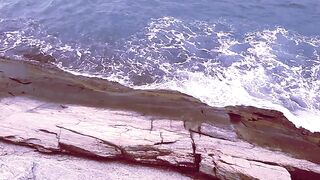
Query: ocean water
(264,53)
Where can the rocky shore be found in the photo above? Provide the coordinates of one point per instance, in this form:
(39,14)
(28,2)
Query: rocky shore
(60,114)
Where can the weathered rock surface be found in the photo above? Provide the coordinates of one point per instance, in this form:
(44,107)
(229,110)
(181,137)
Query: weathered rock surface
(59,113)
(18,162)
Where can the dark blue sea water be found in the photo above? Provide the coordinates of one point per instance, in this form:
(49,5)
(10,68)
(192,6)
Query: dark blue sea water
(264,53)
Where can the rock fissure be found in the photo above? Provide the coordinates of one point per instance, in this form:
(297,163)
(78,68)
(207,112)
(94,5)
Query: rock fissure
(33,171)
(151,124)
(20,81)
(11,94)
(211,136)
(197,157)
(164,142)
(47,131)
(105,142)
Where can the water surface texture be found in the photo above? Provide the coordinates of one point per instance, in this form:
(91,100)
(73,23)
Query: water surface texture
(264,53)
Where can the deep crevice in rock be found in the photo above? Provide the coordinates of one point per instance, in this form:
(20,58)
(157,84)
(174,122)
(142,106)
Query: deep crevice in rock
(197,157)
(300,174)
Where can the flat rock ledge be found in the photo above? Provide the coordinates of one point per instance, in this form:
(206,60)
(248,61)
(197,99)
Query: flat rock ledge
(58,113)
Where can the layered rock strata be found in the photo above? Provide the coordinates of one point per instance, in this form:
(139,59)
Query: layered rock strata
(56,112)
(19,162)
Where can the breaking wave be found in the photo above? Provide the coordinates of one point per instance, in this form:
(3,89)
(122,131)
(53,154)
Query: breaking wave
(271,68)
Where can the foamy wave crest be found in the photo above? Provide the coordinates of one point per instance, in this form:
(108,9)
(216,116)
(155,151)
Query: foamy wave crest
(270,68)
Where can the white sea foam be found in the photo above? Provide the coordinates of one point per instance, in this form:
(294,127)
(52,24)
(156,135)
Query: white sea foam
(272,68)
(258,77)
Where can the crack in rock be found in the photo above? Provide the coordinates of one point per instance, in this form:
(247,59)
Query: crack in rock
(197,157)
(33,171)
(20,81)
(164,142)
(117,148)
